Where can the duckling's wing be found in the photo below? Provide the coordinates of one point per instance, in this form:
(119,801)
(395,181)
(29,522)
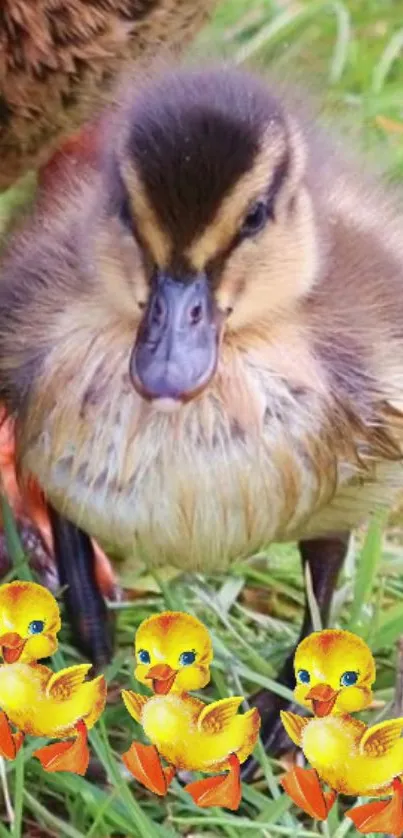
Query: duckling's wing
(217,716)
(64,684)
(134,703)
(381,738)
(294,725)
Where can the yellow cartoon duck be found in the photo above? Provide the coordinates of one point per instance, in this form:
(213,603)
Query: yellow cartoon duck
(173,653)
(334,671)
(34,699)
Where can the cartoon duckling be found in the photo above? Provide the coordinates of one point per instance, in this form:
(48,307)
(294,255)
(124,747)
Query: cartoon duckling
(174,652)
(334,671)
(34,699)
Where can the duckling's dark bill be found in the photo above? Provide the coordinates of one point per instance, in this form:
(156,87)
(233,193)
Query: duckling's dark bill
(175,355)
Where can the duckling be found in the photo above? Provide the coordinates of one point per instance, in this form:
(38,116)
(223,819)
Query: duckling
(173,653)
(34,699)
(201,339)
(334,672)
(59,61)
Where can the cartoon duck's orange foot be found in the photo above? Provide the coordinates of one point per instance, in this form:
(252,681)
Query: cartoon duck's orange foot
(10,743)
(223,790)
(144,763)
(66,756)
(304,788)
(380,815)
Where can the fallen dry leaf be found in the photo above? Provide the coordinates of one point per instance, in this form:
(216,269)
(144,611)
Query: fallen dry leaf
(390,126)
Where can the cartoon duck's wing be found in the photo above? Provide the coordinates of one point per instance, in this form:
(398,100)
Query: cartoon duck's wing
(216,717)
(134,703)
(379,739)
(294,725)
(64,684)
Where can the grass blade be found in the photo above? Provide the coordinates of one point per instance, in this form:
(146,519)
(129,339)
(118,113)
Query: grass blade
(367,566)
(13,542)
(18,794)
(340,52)
(388,57)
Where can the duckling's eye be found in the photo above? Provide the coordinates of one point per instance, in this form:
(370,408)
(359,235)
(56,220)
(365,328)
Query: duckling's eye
(144,656)
(36,627)
(125,213)
(349,678)
(255,220)
(187,658)
(303,676)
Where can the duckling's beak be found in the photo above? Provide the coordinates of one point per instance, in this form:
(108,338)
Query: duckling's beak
(11,645)
(162,677)
(323,697)
(176,350)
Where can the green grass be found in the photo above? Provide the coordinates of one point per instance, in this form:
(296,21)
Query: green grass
(349,53)
(249,643)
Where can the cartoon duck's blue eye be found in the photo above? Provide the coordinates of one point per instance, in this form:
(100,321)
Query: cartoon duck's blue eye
(349,678)
(144,656)
(303,676)
(36,627)
(187,658)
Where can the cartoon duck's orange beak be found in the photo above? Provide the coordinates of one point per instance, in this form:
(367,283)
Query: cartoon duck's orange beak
(162,677)
(323,697)
(11,645)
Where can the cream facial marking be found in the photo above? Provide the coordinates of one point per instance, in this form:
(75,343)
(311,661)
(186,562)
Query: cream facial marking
(250,187)
(153,236)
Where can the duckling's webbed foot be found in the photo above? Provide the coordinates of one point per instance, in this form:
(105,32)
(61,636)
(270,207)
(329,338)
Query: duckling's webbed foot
(144,763)
(222,790)
(384,816)
(324,557)
(304,788)
(10,743)
(67,756)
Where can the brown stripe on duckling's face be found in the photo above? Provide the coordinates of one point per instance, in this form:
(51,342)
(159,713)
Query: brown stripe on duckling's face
(210,175)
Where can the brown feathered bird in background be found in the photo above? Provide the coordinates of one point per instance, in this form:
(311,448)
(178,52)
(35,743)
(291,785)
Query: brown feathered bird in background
(202,338)
(59,60)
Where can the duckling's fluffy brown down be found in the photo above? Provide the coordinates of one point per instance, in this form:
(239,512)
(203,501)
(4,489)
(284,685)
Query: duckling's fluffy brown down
(298,432)
(59,58)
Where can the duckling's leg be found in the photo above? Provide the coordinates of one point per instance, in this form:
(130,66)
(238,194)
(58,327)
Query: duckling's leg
(222,790)
(10,743)
(324,557)
(67,756)
(85,605)
(304,788)
(384,816)
(144,763)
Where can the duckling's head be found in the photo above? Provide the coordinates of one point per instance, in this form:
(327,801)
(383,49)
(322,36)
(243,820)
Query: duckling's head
(208,177)
(334,671)
(173,653)
(29,622)
(197,232)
